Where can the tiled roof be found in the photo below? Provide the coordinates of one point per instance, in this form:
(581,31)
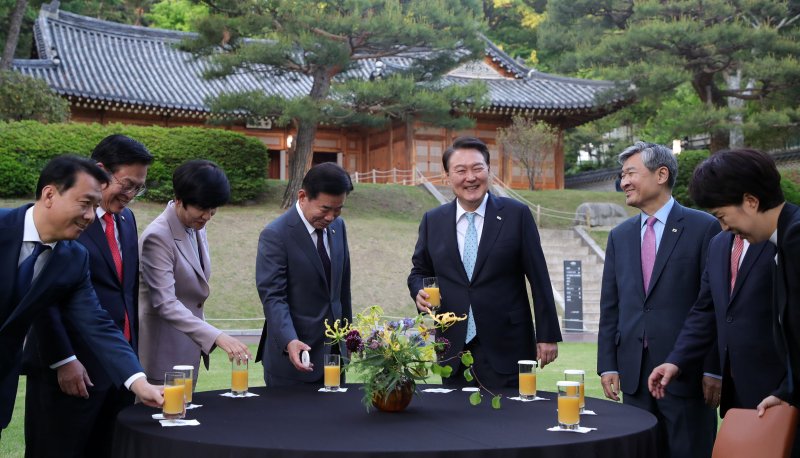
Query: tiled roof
(101,63)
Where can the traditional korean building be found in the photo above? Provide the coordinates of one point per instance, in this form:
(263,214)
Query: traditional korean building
(113,72)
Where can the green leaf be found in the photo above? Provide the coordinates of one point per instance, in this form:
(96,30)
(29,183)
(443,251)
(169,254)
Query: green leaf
(468,375)
(466,359)
(445,371)
(475,398)
(436,369)
(496,401)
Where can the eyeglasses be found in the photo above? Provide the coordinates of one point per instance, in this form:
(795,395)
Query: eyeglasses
(129,189)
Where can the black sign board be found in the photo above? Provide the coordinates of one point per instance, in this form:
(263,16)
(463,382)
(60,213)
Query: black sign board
(573,296)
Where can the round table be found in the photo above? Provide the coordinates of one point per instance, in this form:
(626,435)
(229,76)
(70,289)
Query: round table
(302,422)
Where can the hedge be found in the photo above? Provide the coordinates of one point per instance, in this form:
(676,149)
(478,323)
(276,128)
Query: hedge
(25,147)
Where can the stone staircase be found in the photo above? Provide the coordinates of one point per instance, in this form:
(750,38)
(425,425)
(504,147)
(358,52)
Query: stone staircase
(565,244)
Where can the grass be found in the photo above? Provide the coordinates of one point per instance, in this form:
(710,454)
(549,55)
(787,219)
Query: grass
(571,356)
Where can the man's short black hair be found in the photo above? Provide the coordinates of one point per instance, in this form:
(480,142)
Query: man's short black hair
(117,150)
(202,184)
(62,172)
(725,177)
(328,178)
(465,143)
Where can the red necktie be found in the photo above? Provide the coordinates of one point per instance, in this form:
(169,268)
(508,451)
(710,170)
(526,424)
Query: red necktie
(736,255)
(112,244)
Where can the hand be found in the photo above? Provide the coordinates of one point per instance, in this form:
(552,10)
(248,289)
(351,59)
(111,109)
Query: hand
(712,391)
(610,384)
(546,352)
(769,401)
(73,379)
(233,347)
(294,349)
(150,395)
(660,378)
(422,304)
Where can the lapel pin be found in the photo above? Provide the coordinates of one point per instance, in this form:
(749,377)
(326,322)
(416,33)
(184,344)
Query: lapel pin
(333,231)
(674,230)
(499,219)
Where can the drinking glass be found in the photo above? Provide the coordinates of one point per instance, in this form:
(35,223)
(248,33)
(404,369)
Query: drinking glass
(527,379)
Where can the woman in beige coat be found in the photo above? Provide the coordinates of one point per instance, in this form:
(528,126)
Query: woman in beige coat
(175,270)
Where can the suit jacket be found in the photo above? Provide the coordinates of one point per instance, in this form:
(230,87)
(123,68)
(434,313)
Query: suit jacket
(739,320)
(294,291)
(627,313)
(115,297)
(173,289)
(64,281)
(786,303)
(509,251)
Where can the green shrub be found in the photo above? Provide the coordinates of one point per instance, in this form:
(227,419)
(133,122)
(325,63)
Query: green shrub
(24,97)
(25,147)
(687,162)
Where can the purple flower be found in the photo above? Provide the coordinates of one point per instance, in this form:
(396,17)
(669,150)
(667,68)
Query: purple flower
(353,342)
(408,322)
(442,345)
(374,344)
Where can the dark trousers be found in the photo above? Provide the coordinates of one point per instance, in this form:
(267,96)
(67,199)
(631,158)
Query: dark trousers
(686,426)
(481,369)
(59,425)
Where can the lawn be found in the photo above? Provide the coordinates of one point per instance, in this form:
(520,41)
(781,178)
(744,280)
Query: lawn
(571,356)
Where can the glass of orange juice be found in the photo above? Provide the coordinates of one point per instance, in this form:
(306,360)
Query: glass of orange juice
(333,372)
(527,379)
(569,416)
(431,287)
(577,375)
(188,379)
(174,396)
(239,376)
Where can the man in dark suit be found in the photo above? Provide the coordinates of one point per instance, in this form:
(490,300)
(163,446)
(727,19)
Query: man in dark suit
(71,402)
(731,307)
(43,267)
(653,266)
(303,278)
(481,248)
(742,189)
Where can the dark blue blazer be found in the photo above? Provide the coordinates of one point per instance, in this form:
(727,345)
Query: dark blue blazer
(627,313)
(114,296)
(786,303)
(738,320)
(509,252)
(294,292)
(64,281)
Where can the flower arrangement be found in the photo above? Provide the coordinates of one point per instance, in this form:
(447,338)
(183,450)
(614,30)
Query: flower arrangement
(390,355)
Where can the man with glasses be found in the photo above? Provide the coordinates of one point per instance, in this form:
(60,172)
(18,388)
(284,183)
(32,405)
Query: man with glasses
(71,403)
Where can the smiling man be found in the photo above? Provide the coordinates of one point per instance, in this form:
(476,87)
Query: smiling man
(46,274)
(303,278)
(651,277)
(69,395)
(482,248)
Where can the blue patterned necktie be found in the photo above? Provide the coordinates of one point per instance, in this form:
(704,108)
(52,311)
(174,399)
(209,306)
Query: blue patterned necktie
(469,257)
(25,272)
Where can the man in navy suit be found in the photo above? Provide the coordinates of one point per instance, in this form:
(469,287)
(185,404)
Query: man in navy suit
(303,278)
(734,310)
(481,248)
(71,402)
(742,189)
(651,277)
(44,267)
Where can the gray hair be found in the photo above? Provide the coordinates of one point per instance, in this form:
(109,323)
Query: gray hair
(654,156)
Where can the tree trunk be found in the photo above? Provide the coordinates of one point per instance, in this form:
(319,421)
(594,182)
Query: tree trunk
(710,95)
(13,34)
(300,161)
(734,82)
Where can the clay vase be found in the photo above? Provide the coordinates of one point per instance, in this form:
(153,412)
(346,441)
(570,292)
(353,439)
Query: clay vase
(395,400)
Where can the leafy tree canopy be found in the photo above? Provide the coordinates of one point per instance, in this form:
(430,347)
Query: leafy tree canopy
(23,97)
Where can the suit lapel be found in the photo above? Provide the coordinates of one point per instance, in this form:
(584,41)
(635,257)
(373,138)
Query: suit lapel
(303,239)
(11,230)
(492,222)
(182,241)
(672,233)
(95,233)
(784,220)
(450,239)
(58,262)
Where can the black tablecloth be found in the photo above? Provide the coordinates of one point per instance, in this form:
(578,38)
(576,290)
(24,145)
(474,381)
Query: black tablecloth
(301,422)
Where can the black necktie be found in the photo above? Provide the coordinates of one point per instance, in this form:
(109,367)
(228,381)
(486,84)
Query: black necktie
(25,272)
(323,255)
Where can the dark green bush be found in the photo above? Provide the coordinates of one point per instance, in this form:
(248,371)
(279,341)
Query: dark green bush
(24,97)
(25,147)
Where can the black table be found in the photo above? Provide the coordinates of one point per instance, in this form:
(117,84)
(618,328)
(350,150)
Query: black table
(301,422)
